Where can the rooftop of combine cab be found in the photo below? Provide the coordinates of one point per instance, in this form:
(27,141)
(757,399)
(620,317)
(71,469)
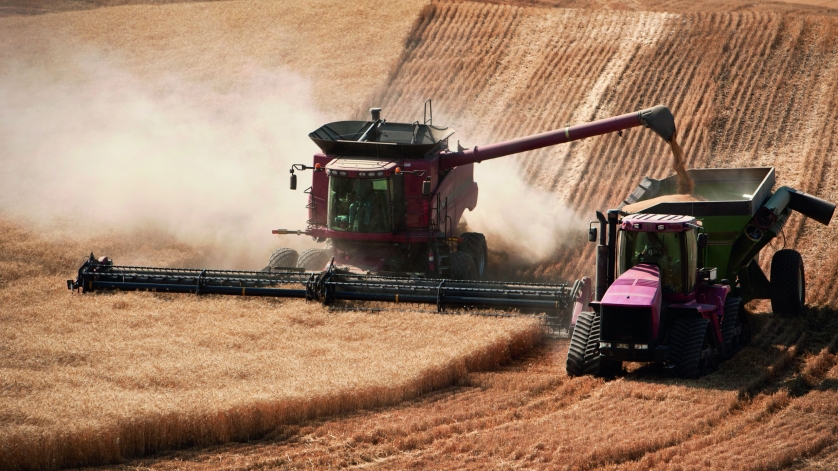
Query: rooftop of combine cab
(380,139)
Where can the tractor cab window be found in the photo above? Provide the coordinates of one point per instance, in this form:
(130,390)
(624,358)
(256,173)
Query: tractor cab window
(666,250)
(360,205)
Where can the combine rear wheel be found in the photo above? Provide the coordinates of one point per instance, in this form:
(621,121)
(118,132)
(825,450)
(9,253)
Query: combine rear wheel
(690,346)
(314,259)
(583,353)
(462,266)
(788,283)
(282,258)
(474,244)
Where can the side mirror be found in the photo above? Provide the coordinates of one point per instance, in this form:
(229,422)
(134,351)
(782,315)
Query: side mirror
(592,234)
(293,181)
(702,241)
(426,187)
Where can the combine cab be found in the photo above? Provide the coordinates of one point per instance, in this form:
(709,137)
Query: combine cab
(673,275)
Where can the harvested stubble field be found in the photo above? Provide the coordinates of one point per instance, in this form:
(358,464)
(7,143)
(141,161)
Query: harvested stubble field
(93,379)
(750,84)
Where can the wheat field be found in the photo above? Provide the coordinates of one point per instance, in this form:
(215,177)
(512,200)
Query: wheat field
(749,83)
(92,379)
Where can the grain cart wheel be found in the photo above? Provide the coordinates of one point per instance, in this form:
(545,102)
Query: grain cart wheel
(462,266)
(690,347)
(314,259)
(282,258)
(788,283)
(583,353)
(474,244)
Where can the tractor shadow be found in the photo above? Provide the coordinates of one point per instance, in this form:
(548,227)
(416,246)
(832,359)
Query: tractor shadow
(776,358)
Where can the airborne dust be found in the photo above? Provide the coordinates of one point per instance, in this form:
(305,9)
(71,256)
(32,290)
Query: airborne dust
(83,138)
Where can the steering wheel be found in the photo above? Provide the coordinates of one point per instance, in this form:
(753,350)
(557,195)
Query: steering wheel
(650,254)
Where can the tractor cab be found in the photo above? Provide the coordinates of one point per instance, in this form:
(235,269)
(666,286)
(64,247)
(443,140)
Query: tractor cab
(666,241)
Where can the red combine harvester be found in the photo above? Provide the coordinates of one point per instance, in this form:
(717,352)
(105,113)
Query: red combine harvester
(386,198)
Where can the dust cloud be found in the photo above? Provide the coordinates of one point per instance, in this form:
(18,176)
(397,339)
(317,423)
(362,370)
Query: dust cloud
(528,223)
(85,139)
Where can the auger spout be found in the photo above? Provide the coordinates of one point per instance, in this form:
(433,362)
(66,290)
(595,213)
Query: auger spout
(659,119)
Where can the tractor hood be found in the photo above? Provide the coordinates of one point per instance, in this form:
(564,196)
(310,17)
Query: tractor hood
(637,287)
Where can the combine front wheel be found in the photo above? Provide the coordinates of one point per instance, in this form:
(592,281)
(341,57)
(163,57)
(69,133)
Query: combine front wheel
(788,283)
(282,258)
(462,266)
(474,244)
(314,259)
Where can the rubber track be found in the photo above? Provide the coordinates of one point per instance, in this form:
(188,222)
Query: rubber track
(583,352)
(686,340)
(729,324)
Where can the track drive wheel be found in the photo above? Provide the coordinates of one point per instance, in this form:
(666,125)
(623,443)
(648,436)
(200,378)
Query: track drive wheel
(788,283)
(474,244)
(462,266)
(583,353)
(735,328)
(282,258)
(690,347)
(314,259)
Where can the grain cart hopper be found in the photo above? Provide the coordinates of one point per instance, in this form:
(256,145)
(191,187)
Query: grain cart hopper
(386,198)
(673,273)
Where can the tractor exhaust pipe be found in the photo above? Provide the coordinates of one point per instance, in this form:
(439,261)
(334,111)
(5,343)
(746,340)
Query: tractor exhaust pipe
(601,259)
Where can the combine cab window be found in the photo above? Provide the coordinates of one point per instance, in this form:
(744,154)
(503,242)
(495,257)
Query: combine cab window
(360,205)
(667,250)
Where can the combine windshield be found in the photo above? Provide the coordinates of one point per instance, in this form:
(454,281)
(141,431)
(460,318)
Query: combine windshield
(666,250)
(360,205)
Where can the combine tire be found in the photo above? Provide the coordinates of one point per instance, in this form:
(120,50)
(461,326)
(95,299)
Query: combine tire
(282,258)
(690,347)
(583,353)
(314,259)
(474,244)
(462,266)
(788,283)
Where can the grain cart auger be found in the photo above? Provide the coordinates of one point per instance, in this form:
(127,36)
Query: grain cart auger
(673,274)
(386,198)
